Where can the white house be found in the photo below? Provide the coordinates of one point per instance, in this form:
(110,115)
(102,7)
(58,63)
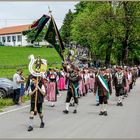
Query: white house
(12,36)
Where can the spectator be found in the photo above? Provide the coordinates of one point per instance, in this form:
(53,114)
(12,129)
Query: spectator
(22,88)
(17,85)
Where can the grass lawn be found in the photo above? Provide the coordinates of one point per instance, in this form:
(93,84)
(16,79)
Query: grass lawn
(9,102)
(14,57)
(5,103)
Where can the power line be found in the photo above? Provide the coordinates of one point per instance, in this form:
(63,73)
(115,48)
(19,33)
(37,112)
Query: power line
(25,19)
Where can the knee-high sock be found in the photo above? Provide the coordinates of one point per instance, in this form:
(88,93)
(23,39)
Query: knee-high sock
(101,108)
(105,107)
(76,105)
(31,121)
(119,99)
(67,106)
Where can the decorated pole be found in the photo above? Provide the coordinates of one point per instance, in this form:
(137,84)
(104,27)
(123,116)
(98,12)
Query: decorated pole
(57,34)
(37,67)
(62,49)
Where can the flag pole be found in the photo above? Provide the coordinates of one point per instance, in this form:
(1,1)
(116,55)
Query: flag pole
(50,12)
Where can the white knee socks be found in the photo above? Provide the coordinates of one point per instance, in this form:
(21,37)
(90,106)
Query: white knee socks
(67,106)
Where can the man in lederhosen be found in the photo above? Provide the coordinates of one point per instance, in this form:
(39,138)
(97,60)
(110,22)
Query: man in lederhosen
(73,79)
(40,89)
(103,91)
(119,83)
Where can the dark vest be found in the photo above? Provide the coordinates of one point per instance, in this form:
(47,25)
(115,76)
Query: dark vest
(40,97)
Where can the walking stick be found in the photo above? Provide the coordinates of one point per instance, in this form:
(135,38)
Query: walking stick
(35,107)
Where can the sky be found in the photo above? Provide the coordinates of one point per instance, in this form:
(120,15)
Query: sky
(20,13)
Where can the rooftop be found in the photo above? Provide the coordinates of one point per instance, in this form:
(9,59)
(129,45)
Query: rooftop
(14,29)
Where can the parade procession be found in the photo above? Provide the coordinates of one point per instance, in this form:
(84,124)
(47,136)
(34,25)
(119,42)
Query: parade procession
(80,80)
(76,79)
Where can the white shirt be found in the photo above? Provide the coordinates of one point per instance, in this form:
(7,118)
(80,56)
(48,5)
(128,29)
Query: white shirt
(16,79)
(42,88)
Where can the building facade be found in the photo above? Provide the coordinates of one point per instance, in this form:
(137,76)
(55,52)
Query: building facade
(12,36)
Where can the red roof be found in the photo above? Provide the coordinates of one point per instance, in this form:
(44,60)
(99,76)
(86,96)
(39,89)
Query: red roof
(14,29)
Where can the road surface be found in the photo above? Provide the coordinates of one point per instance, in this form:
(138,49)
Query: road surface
(121,122)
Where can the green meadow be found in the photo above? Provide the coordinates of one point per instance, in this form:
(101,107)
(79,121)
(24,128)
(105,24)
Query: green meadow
(12,58)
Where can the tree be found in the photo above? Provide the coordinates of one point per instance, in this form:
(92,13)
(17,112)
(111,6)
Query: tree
(40,38)
(111,33)
(66,27)
(93,28)
(129,31)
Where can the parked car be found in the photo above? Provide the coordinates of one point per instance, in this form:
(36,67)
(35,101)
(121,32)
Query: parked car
(6,88)
(37,46)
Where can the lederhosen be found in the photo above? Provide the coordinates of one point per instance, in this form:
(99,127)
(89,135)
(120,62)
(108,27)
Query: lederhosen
(119,83)
(72,88)
(101,91)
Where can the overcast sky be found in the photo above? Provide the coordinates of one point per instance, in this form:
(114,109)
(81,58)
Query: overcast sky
(19,13)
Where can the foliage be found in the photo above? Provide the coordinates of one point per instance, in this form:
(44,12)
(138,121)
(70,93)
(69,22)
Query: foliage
(5,102)
(40,38)
(9,102)
(111,33)
(66,28)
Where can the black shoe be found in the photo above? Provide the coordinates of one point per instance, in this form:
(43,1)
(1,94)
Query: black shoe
(121,104)
(30,128)
(118,104)
(101,113)
(52,105)
(97,104)
(17,103)
(65,111)
(42,125)
(105,113)
(75,111)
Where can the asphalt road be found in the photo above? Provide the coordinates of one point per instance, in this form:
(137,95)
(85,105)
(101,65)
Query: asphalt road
(121,122)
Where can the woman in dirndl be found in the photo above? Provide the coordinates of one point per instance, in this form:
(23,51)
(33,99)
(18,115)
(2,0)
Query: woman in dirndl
(61,82)
(52,88)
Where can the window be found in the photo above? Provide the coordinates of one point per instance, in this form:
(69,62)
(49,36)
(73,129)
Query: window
(3,39)
(19,38)
(8,38)
(13,38)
